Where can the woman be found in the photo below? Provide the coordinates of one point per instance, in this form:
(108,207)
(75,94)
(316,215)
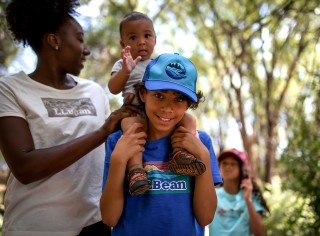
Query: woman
(52,126)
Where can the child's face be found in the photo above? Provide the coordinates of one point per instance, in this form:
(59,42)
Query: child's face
(164,108)
(140,36)
(229,168)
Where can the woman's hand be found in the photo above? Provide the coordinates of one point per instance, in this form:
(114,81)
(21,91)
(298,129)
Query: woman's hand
(126,110)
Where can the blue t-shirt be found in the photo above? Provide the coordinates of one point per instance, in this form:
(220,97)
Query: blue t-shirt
(232,216)
(165,209)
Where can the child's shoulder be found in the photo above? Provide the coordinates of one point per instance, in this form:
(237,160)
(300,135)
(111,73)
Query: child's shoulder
(203,135)
(220,190)
(117,65)
(115,135)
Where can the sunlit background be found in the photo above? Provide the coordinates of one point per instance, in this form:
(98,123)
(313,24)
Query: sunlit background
(258,64)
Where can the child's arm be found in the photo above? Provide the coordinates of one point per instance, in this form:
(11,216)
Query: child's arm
(189,122)
(119,79)
(112,199)
(256,223)
(204,198)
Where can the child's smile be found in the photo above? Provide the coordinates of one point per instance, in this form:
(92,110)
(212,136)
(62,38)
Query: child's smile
(164,110)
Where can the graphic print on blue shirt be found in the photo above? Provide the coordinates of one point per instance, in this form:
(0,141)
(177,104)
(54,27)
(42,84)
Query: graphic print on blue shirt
(164,209)
(164,181)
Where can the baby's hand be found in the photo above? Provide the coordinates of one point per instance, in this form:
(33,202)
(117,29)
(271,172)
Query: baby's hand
(128,62)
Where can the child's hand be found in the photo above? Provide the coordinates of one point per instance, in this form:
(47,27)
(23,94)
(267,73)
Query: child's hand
(246,185)
(183,138)
(130,143)
(128,62)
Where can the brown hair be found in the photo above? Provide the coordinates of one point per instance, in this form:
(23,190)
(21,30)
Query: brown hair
(133,16)
(191,104)
(256,191)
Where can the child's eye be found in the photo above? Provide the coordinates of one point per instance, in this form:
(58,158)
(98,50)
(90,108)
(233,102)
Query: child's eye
(132,37)
(181,99)
(81,39)
(158,95)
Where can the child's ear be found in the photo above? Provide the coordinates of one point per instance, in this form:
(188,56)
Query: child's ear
(142,94)
(122,44)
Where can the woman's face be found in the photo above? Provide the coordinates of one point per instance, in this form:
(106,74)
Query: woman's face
(164,109)
(229,168)
(72,49)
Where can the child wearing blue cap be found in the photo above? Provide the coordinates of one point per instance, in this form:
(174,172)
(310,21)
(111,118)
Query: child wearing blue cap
(138,40)
(175,204)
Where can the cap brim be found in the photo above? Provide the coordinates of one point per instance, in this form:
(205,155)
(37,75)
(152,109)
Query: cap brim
(234,155)
(228,154)
(164,85)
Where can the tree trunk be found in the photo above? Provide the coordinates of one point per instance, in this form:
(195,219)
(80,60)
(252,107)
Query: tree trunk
(270,151)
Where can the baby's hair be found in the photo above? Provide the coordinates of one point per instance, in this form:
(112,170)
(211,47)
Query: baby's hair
(133,16)
(191,104)
(30,20)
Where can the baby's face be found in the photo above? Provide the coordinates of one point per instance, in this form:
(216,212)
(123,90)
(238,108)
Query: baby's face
(140,36)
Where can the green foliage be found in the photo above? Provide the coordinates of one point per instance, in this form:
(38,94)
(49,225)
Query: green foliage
(254,59)
(300,162)
(103,39)
(257,52)
(8,50)
(290,213)
(1,219)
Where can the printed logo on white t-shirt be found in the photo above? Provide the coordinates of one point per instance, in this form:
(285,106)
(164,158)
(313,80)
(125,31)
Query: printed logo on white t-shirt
(69,107)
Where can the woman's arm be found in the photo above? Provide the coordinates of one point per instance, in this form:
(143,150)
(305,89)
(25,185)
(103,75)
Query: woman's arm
(112,199)
(27,163)
(204,199)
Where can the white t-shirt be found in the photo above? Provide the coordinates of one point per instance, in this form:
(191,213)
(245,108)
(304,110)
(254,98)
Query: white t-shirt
(63,203)
(136,76)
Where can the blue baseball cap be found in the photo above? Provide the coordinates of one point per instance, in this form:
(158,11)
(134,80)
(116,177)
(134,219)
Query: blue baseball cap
(172,72)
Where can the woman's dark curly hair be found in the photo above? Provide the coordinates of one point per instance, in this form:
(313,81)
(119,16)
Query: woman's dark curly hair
(191,104)
(30,20)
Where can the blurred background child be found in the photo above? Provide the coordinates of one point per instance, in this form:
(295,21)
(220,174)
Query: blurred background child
(240,202)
